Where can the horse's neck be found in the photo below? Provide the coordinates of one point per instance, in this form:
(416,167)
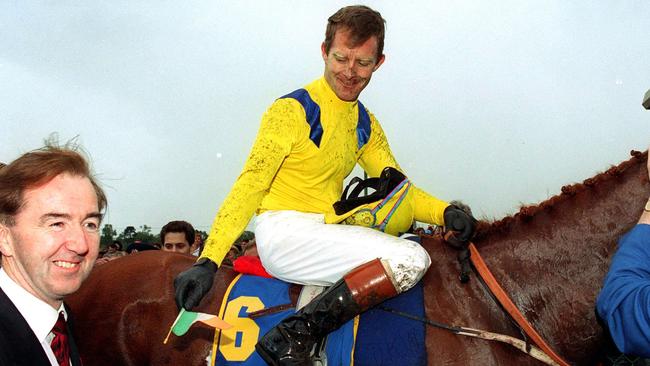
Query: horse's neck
(554,261)
(584,218)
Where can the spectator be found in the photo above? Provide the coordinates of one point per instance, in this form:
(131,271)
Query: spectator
(429,230)
(250,248)
(139,246)
(50,213)
(114,250)
(234,252)
(179,237)
(198,244)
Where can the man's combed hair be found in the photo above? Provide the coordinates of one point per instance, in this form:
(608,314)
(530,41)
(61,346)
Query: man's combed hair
(178,227)
(362,23)
(38,167)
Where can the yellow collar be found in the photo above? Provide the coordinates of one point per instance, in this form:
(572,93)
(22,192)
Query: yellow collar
(329,94)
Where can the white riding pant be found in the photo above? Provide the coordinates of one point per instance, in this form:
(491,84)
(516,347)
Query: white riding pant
(301,248)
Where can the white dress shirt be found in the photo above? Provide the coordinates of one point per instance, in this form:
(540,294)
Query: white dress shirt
(40,316)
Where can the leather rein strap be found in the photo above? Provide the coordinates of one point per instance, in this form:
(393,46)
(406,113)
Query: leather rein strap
(509,306)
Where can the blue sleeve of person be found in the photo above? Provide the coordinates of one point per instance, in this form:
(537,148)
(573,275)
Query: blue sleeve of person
(624,301)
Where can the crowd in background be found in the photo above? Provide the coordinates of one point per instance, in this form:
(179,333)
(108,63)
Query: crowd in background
(178,237)
(193,243)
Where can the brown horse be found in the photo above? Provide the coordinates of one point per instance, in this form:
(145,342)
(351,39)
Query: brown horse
(551,258)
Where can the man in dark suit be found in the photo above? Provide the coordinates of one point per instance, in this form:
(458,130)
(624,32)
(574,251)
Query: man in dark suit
(50,213)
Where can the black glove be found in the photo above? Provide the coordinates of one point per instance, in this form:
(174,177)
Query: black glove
(192,284)
(460,222)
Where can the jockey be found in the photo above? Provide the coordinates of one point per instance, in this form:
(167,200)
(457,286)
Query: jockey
(308,142)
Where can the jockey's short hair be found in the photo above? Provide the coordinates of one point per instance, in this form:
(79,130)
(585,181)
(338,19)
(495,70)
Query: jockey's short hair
(39,167)
(361,21)
(178,227)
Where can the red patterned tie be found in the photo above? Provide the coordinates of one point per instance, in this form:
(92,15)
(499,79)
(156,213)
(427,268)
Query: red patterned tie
(60,342)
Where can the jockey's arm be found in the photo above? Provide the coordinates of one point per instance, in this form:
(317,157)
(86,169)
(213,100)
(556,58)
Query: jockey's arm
(272,145)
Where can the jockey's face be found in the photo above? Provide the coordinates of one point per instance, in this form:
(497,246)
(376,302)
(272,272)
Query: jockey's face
(51,248)
(348,68)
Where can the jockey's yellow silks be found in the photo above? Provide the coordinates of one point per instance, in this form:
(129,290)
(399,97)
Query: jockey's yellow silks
(300,164)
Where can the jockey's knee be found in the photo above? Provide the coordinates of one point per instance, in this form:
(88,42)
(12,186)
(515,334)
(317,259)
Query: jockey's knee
(409,269)
(421,263)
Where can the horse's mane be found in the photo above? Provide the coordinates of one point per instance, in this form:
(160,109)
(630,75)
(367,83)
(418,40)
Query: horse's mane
(527,213)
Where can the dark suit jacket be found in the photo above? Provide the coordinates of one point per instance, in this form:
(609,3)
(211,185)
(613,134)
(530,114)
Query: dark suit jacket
(18,344)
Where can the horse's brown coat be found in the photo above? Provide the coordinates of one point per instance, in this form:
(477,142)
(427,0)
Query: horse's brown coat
(551,258)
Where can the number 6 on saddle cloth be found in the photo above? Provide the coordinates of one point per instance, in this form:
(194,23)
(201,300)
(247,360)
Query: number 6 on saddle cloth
(389,208)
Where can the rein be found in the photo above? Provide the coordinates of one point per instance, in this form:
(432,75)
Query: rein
(509,306)
(504,300)
(488,279)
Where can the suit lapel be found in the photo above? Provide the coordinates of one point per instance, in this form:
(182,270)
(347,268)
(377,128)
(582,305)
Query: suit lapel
(74,352)
(18,344)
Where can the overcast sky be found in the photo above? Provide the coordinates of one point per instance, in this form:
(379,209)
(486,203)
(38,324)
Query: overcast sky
(497,103)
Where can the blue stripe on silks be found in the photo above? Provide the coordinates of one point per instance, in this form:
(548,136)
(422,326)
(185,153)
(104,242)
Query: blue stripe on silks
(363,126)
(312,112)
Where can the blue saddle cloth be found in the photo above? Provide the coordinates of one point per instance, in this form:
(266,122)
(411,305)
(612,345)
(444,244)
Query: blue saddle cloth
(375,338)
(385,338)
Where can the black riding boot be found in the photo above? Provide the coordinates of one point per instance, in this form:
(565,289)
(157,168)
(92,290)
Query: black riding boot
(292,340)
